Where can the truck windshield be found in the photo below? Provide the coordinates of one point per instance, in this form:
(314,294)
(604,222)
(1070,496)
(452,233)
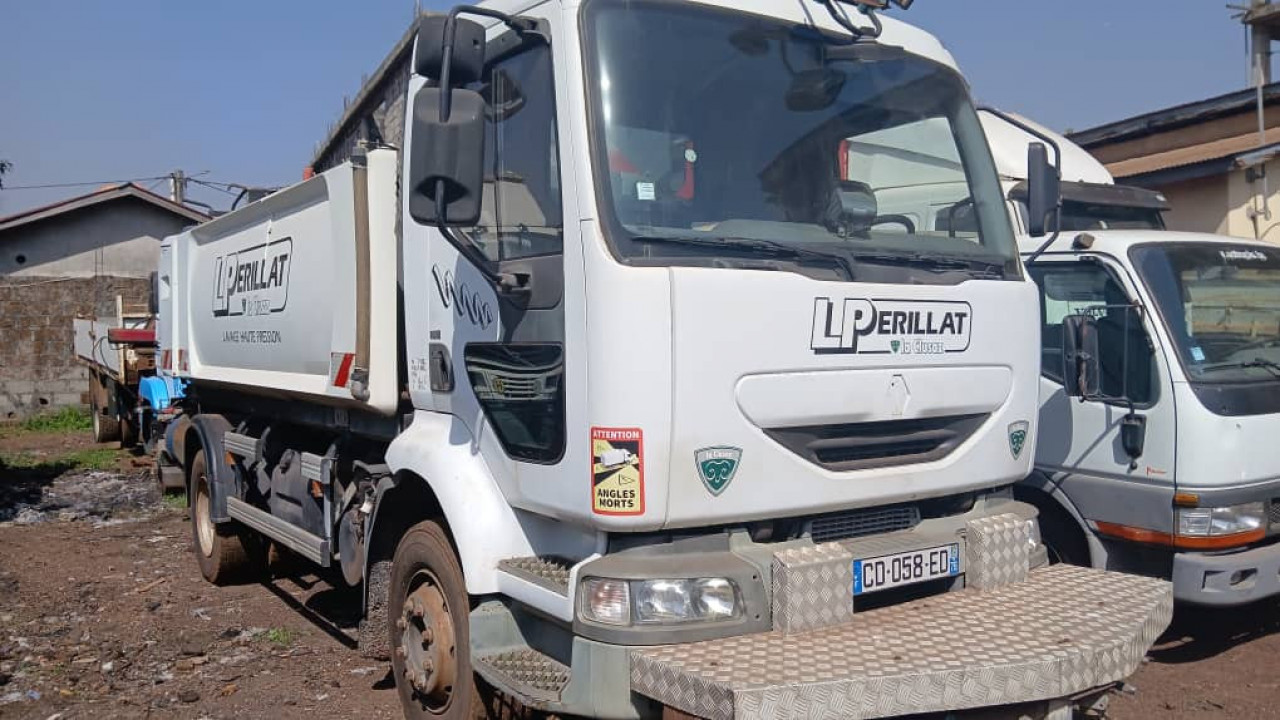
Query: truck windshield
(711,124)
(1221,305)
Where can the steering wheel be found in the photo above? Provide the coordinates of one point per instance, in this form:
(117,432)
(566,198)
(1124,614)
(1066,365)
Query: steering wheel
(895,219)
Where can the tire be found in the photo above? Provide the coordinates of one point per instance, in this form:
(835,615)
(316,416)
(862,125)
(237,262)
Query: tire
(426,571)
(226,553)
(1063,538)
(105,428)
(128,433)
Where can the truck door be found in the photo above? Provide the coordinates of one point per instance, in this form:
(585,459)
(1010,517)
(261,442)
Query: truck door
(1079,444)
(490,353)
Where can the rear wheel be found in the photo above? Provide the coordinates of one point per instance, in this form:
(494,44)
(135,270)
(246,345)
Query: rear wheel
(226,552)
(427,617)
(106,428)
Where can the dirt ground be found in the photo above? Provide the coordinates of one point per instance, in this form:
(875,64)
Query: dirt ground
(103,613)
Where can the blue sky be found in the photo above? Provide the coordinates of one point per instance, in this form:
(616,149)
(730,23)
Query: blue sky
(244,89)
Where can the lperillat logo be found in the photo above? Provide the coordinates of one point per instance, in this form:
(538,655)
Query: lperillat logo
(1018,437)
(253,281)
(717,466)
(859,326)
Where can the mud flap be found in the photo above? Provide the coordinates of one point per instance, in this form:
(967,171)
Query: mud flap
(222,477)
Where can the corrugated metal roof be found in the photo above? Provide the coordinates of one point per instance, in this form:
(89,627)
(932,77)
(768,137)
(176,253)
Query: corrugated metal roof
(101,195)
(1174,117)
(1179,157)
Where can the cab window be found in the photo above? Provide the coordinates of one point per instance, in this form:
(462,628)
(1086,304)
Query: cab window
(1126,357)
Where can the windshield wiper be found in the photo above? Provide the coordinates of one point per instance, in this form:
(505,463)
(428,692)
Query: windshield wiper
(756,246)
(985,268)
(1271,365)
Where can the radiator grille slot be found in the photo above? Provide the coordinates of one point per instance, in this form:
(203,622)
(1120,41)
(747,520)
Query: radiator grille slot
(862,446)
(1273,511)
(859,523)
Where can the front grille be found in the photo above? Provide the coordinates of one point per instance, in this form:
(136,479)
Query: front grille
(859,523)
(862,446)
(1273,511)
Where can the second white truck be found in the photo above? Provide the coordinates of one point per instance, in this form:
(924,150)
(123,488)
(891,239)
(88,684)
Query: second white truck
(614,394)
(1159,389)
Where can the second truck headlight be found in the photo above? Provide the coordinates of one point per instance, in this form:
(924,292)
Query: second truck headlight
(1219,521)
(664,601)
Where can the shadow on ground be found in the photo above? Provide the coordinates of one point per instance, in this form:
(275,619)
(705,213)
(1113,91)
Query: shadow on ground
(25,484)
(1197,633)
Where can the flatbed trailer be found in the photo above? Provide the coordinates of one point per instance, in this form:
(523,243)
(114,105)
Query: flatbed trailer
(118,353)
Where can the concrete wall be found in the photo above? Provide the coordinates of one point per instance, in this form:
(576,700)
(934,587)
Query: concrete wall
(54,270)
(118,238)
(38,370)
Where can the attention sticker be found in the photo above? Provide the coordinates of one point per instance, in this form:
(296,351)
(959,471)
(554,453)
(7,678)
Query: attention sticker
(617,471)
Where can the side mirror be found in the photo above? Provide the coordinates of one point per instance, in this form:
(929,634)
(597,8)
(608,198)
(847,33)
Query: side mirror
(446,161)
(1081,371)
(1044,190)
(1133,435)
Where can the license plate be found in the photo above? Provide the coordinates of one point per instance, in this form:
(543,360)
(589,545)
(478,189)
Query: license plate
(891,571)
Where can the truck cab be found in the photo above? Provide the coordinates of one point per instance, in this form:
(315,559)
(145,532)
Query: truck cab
(1150,457)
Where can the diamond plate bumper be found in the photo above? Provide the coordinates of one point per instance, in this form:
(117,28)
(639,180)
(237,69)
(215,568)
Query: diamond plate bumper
(1062,631)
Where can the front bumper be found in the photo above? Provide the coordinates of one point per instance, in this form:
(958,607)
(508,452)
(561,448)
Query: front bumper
(1233,578)
(1061,631)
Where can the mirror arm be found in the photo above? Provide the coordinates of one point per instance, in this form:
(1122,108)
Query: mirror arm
(1057,155)
(466,248)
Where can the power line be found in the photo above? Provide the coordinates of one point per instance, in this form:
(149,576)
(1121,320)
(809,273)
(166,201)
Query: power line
(81,184)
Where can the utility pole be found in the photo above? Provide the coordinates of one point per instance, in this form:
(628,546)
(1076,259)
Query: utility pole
(178,187)
(1260,40)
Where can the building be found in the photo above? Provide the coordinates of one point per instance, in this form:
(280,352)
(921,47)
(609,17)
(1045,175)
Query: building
(68,259)
(1208,158)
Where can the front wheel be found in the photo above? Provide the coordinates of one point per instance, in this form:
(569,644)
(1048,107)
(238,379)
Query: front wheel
(224,552)
(427,615)
(1063,539)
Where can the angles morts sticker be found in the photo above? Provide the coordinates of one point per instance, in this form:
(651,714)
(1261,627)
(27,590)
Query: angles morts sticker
(617,471)
(859,326)
(717,466)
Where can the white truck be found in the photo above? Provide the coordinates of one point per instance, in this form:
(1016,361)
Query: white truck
(1151,455)
(621,227)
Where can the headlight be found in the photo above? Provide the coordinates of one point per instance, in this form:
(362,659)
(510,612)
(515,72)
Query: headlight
(1220,521)
(659,602)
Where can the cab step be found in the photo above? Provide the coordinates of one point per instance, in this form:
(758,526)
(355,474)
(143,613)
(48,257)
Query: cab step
(550,572)
(539,582)
(533,679)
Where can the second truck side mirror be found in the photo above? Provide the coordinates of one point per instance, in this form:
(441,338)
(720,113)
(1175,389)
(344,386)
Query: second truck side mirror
(1133,436)
(1081,370)
(446,160)
(1044,190)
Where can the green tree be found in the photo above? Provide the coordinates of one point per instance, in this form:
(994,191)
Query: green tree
(5,167)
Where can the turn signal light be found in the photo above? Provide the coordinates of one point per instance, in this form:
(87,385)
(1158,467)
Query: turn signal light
(1182,542)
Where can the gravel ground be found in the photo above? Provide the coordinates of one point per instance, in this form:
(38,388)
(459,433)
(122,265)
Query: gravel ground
(103,613)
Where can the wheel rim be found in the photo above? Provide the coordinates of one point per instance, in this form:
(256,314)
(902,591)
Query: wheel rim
(427,646)
(204,525)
